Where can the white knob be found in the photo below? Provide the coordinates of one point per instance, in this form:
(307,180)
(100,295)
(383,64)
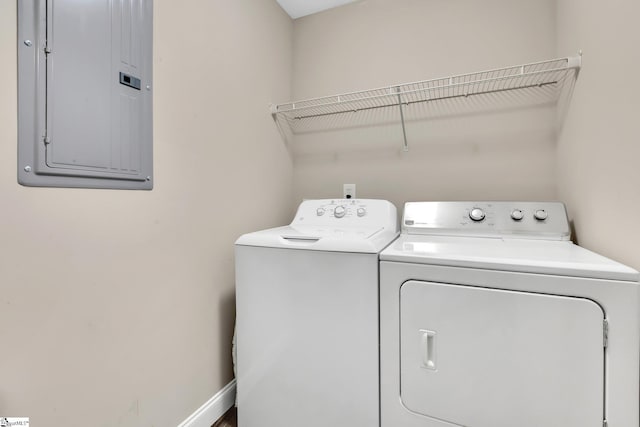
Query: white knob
(320,211)
(361,211)
(540,215)
(476,214)
(339,211)
(517,214)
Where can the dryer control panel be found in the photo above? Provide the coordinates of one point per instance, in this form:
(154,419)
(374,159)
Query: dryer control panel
(535,220)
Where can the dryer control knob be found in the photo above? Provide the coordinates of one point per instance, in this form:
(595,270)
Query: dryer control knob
(339,211)
(320,211)
(540,215)
(517,214)
(361,211)
(476,214)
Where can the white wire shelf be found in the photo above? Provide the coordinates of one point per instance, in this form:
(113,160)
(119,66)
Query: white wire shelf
(528,83)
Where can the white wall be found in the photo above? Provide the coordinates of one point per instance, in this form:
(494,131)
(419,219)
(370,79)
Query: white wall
(599,147)
(117,307)
(374,43)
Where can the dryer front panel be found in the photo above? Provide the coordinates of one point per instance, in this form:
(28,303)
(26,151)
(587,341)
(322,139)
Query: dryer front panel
(484,357)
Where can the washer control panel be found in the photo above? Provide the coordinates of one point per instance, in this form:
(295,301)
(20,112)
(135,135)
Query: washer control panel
(537,220)
(346,212)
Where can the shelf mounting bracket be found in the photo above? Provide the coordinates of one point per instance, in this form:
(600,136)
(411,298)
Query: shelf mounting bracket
(405,146)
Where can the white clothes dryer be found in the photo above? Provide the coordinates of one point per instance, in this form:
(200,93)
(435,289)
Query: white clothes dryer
(491,317)
(307,330)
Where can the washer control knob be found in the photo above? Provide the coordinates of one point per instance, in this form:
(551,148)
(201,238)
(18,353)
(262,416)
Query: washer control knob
(361,211)
(320,211)
(517,214)
(339,211)
(540,215)
(476,214)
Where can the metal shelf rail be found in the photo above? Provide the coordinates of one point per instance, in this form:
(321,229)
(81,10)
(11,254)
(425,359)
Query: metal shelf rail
(546,76)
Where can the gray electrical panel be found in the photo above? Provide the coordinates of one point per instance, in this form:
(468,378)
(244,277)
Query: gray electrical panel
(85,93)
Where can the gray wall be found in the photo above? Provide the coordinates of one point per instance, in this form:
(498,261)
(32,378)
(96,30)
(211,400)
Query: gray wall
(599,146)
(117,307)
(488,154)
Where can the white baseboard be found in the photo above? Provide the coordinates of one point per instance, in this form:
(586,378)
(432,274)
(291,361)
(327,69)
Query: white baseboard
(213,409)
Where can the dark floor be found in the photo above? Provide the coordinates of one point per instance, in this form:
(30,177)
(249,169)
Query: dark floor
(230,419)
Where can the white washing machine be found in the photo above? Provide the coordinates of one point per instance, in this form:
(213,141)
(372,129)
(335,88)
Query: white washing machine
(491,317)
(307,331)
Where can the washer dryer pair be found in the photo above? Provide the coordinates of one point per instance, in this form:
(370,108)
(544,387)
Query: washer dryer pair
(491,317)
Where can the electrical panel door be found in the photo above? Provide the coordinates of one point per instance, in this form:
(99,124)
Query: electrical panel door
(85,93)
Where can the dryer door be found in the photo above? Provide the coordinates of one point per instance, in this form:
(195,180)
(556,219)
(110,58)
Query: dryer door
(494,358)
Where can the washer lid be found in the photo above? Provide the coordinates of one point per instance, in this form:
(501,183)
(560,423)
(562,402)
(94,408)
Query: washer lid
(319,238)
(561,258)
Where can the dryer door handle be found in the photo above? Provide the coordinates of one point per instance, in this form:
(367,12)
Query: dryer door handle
(428,349)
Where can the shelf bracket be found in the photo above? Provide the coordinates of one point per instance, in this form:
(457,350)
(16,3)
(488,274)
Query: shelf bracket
(405,146)
(274,114)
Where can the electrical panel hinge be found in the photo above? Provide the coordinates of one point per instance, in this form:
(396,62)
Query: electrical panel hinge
(47,51)
(605,333)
